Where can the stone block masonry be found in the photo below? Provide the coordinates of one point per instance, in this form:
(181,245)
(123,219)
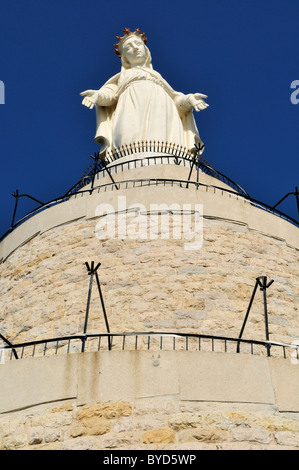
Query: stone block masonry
(153,285)
(151,425)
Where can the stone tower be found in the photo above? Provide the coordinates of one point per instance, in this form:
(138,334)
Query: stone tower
(177,339)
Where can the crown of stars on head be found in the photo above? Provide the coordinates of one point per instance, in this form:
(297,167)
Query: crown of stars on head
(128,33)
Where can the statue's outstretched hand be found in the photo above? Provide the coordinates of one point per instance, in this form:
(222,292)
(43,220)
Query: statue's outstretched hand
(197,101)
(90,98)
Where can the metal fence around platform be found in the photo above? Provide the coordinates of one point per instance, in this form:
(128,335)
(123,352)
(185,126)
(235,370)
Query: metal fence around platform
(78,189)
(133,183)
(146,341)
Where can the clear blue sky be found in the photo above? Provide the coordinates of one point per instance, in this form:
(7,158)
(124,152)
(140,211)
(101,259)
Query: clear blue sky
(242,54)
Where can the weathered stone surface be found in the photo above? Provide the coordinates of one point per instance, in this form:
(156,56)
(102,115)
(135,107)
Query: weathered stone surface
(184,420)
(91,427)
(106,410)
(277,423)
(203,434)
(159,436)
(204,291)
(146,424)
(95,420)
(81,443)
(226,420)
(287,438)
(66,407)
(259,435)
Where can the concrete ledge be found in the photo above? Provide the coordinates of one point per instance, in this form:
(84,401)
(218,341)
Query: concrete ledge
(29,382)
(285,378)
(129,375)
(220,378)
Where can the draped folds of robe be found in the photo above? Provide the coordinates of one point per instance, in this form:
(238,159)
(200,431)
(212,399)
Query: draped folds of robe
(139,105)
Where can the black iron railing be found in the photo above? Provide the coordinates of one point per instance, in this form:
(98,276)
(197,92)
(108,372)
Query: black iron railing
(294,193)
(99,168)
(132,183)
(186,160)
(152,341)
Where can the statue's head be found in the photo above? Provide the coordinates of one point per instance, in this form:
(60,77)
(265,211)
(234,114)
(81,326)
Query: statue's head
(132,49)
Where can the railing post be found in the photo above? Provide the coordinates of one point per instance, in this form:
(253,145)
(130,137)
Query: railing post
(191,169)
(297,199)
(197,170)
(247,314)
(16,196)
(109,174)
(296,194)
(10,345)
(104,310)
(92,271)
(95,169)
(199,149)
(196,156)
(263,287)
(262,283)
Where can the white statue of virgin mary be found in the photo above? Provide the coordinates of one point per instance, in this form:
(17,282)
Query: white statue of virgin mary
(138,105)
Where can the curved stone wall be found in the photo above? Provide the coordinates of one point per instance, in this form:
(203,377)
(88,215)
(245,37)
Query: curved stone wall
(150,281)
(153,278)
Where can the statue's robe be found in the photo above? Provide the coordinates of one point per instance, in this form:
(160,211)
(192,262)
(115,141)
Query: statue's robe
(138,105)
